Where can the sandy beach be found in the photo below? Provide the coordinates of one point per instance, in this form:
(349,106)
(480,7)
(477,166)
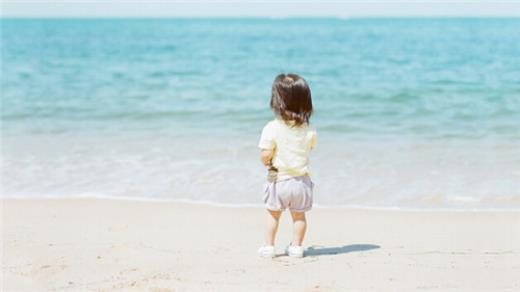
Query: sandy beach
(116,245)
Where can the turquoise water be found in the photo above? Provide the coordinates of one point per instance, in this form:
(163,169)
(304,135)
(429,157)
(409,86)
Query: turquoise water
(172,108)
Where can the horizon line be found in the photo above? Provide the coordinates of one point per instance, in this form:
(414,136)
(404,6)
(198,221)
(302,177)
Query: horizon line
(262,17)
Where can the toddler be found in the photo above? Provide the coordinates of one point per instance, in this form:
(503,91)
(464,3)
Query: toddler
(285,144)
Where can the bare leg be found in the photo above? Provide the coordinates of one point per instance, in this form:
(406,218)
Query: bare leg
(299,226)
(273,217)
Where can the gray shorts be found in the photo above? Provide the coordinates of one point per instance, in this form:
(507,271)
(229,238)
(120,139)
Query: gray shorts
(294,193)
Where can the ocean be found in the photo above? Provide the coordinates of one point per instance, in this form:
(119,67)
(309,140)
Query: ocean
(411,113)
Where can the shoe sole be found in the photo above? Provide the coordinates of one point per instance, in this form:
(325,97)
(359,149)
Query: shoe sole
(295,255)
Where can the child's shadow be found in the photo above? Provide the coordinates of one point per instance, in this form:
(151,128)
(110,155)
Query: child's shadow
(312,251)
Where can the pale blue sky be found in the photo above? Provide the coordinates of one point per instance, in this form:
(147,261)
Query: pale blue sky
(255,8)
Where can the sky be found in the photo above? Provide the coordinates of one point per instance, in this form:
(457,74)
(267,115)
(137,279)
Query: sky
(256,8)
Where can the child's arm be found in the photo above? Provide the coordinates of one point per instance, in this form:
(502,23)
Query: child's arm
(266,156)
(314,138)
(267,144)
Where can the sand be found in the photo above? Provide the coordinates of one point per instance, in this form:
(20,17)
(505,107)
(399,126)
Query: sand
(116,245)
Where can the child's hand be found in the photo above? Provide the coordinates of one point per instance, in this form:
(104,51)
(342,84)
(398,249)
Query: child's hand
(266,157)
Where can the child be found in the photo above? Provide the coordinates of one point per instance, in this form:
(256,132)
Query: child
(285,144)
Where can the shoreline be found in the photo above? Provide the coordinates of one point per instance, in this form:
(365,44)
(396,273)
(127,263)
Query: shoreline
(261,206)
(116,245)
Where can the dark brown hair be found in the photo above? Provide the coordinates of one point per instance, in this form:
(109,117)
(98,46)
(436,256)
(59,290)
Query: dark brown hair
(291,98)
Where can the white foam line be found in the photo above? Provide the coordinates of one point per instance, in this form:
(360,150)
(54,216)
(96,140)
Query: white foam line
(136,199)
(248,205)
(417,209)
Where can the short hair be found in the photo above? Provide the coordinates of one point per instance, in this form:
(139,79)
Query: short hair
(291,98)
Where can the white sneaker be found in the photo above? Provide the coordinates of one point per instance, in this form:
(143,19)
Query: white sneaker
(294,251)
(266,251)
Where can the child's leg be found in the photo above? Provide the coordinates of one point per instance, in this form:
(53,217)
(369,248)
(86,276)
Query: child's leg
(299,225)
(273,217)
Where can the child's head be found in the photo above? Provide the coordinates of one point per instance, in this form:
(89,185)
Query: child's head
(291,98)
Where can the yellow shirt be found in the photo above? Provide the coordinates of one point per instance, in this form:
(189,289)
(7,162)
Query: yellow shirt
(291,147)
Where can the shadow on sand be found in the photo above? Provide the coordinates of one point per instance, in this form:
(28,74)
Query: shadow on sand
(313,251)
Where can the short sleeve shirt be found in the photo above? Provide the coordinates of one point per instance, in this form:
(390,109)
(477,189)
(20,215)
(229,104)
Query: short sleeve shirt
(291,145)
